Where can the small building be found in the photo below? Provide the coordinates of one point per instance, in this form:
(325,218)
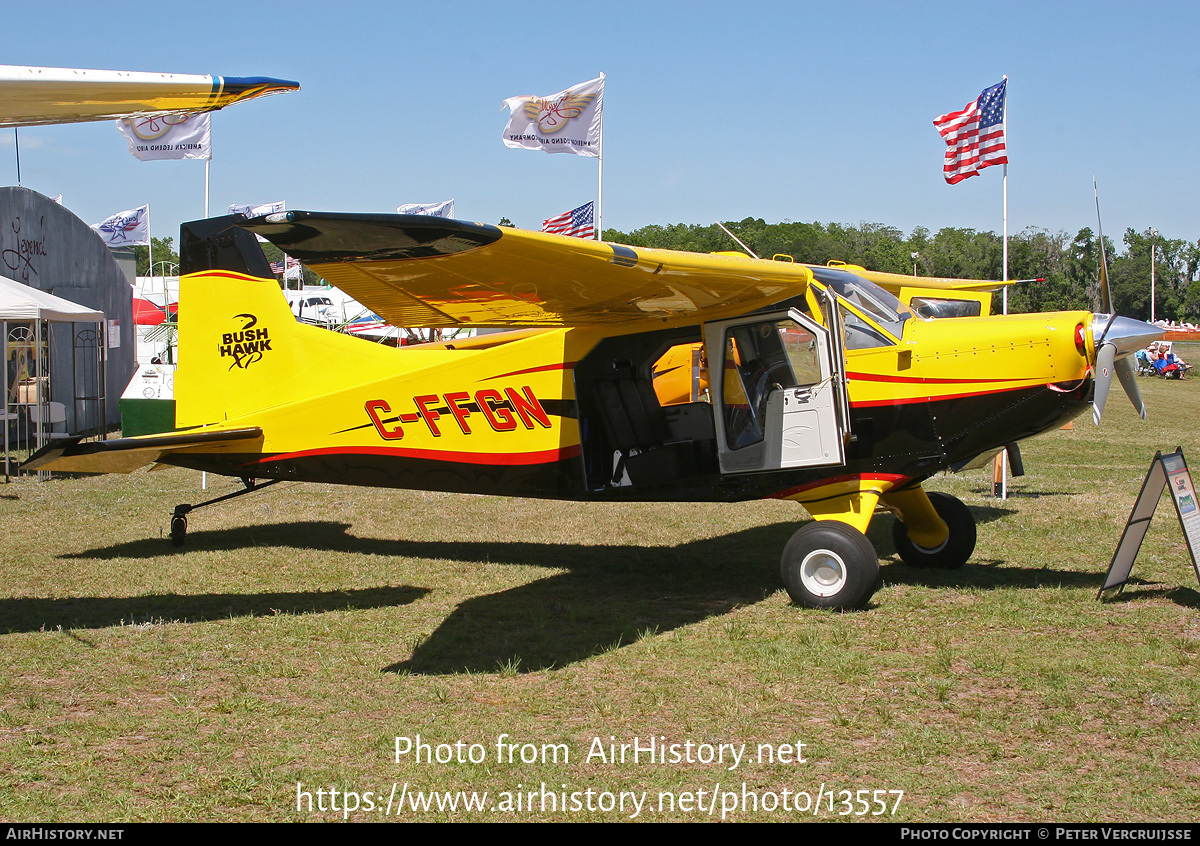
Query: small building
(45,246)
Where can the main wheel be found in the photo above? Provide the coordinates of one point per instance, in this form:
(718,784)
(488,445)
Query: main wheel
(954,551)
(828,564)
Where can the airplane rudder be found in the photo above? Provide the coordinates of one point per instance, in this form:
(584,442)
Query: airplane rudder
(235,345)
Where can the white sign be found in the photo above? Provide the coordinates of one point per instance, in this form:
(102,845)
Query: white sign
(1165,471)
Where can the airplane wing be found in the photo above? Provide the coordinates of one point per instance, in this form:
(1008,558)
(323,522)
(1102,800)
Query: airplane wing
(422,271)
(124,455)
(36,96)
(895,281)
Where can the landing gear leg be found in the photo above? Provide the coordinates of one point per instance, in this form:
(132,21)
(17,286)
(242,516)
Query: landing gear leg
(179,517)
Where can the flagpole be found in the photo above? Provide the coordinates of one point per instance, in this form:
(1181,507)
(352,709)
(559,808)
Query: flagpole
(150,252)
(600,189)
(1004,453)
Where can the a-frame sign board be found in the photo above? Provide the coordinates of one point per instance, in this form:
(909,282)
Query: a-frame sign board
(1166,471)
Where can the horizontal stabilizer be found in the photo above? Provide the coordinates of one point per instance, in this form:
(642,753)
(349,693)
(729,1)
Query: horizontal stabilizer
(124,455)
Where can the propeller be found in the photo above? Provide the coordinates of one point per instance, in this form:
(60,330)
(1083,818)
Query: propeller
(1117,341)
(1115,345)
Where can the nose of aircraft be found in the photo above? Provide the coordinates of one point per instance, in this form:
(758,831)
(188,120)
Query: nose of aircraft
(1125,333)
(1115,339)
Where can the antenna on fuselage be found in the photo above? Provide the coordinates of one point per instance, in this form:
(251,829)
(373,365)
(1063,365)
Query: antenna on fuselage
(736,238)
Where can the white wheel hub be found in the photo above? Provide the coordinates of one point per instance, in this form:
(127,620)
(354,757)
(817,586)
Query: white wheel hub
(823,573)
(924,550)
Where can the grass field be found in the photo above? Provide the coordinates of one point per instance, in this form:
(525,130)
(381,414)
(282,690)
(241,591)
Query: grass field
(302,630)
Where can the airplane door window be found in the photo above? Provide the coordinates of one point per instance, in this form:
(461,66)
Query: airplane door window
(776,404)
(761,358)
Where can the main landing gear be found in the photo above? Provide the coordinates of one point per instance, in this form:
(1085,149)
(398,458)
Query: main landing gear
(831,564)
(179,520)
(951,553)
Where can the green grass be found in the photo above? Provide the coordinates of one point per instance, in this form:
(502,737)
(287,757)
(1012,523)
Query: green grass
(303,629)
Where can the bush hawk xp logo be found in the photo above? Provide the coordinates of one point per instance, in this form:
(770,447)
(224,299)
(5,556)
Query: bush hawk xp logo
(247,346)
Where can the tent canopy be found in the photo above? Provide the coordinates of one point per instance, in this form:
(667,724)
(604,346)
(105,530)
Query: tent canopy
(20,302)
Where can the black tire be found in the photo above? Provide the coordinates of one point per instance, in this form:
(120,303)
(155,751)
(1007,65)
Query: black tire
(178,530)
(958,546)
(828,564)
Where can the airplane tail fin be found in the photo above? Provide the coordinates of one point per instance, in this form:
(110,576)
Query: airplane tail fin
(242,351)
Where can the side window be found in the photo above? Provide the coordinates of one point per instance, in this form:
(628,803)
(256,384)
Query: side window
(860,335)
(761,358)
(801,348)
(933,307)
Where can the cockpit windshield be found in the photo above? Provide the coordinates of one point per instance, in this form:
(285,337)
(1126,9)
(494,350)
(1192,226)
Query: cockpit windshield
(878,304)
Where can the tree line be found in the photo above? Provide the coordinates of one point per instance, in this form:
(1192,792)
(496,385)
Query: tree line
(1068,266)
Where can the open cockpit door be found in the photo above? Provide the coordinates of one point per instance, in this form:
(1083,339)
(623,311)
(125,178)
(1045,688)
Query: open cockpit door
(777,403)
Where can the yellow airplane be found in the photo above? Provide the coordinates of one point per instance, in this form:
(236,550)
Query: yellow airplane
(624,373)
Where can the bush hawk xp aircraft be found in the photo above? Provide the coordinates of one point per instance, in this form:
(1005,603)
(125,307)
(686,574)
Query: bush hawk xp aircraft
(626,374)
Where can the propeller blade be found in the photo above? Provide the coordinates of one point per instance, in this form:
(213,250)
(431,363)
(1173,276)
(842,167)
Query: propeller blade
(1104,372)
(1106,303)
(1128,376)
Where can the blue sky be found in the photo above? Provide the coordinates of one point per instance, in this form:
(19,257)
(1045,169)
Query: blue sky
(785,111)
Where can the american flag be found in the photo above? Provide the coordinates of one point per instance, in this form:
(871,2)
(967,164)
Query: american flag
(577,222)
(290,271)
(975,135)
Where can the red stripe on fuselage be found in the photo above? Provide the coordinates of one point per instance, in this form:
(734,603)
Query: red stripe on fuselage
(920,380)
(509,459)
(561,365)
(938,398)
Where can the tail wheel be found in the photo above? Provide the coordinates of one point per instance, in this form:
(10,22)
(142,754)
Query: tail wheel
(828,564)
(957,547)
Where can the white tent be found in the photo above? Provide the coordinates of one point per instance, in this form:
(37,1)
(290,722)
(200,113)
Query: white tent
(20,302)
(23,304)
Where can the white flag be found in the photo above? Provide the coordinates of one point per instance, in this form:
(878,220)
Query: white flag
(566,122)
(126,229)
(171,136)
(442,209)
(252,210)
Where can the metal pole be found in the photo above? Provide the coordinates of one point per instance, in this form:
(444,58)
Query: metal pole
(600,189)
(1153,235)
(150,249)
(4,420)
(1004,454)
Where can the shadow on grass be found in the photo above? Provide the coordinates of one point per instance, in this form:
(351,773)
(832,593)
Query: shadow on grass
(1185,596)
(986,490)
(609,596)
(93,612)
